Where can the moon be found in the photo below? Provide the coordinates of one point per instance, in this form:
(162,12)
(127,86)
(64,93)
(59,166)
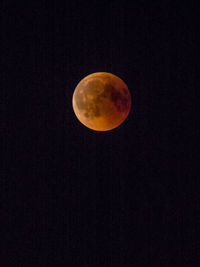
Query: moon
(101,101)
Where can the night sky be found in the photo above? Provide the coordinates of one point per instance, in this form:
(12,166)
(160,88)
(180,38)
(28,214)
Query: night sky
(76,197)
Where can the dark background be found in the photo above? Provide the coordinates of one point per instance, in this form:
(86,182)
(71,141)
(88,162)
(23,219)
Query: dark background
(75,197)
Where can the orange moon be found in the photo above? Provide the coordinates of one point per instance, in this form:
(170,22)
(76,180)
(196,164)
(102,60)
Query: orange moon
(101,101)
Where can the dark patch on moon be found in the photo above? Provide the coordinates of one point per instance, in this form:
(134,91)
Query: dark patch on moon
(119,98)
(95,111)
(86,115)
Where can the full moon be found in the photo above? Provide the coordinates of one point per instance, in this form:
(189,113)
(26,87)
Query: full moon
(101,101)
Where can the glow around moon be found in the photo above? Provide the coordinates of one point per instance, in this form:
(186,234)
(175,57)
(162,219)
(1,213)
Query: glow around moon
(101,101)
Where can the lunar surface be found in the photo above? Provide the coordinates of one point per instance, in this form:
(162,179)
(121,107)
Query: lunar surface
(101,101)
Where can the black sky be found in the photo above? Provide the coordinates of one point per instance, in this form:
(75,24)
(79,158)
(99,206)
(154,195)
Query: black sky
(75,197)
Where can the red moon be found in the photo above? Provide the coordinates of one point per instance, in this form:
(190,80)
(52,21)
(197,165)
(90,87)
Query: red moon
(101,101)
